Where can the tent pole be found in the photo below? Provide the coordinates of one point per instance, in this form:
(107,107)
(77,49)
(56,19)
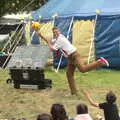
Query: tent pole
(67,38)
(92,38)
(70,27)
(33,33)
(54,16)
(56,70)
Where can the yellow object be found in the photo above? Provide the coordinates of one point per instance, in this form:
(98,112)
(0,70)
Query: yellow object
(98,11)
(36,25)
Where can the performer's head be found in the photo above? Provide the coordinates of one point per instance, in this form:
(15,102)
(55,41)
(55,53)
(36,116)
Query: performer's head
(56,32)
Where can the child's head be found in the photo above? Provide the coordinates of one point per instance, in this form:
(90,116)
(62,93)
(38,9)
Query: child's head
(44,116)
(82,109)
(111,97)
(58,112)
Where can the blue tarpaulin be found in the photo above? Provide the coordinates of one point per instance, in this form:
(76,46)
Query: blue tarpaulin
(77,8)
(107,42)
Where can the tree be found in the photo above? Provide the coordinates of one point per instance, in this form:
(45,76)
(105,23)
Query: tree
(15,6)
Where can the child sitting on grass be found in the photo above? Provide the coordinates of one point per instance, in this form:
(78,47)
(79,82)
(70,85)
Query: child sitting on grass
(82,112)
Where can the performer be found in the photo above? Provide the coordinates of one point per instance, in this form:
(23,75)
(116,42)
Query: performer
(59,41)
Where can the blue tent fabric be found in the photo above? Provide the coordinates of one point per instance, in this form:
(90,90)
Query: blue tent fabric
(35,40)
(107,42)
(77,8)
(107,32)
(63,25)
(56,59)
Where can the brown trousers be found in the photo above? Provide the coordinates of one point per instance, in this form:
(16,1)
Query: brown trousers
(75,60)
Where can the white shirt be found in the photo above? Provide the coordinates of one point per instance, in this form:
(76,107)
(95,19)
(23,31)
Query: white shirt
(83,117)
(64,44)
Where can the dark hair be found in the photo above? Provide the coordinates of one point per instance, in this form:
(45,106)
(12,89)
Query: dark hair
(54,28)
(81,109)
(58,112)
(20,119)
(111,97)
(44,116)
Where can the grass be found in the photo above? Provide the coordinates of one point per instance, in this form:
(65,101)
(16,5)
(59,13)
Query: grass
(29,103)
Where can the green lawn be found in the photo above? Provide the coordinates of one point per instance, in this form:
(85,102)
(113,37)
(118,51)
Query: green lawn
(29,103)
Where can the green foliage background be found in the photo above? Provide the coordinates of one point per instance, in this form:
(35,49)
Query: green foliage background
(15,6)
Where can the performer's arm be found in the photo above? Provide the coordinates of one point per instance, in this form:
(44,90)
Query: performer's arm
(47,40)
(95,104)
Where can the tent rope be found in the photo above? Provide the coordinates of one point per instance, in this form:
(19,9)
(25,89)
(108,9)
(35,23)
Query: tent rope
(27,5)
(18,26)
(3,66)
(11,45)
(9,41)
(2,27)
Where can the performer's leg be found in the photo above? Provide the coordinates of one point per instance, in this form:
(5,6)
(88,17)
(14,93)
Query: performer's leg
(85,68)
(70,77)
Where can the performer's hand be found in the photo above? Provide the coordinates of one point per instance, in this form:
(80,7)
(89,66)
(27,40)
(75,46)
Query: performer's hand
(38,32)
(51,49)
(66,56)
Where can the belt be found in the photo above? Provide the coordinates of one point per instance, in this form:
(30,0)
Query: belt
(72,54)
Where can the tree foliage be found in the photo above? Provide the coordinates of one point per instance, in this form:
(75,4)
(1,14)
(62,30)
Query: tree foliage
(15,6)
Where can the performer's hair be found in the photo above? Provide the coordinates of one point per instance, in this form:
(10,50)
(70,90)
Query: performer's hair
(54,28)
